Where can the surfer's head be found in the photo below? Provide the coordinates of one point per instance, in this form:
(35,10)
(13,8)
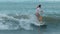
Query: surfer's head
(39,6)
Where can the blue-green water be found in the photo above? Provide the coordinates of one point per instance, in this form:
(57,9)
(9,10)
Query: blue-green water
(17,18)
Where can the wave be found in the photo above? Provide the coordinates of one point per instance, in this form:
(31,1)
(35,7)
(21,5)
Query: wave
(17,21)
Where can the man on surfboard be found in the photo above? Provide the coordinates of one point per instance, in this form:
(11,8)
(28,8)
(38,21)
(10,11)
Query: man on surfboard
(39,13)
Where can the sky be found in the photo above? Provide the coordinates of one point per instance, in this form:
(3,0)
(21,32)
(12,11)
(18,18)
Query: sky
(27,0)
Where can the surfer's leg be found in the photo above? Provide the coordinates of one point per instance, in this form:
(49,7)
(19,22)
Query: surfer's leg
(40,18)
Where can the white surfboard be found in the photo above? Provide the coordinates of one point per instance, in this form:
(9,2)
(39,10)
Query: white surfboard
(39,23)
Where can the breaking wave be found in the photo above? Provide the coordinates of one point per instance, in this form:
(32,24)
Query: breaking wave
(18,21)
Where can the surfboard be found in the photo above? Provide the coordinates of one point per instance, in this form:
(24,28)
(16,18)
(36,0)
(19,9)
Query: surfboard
(40,23)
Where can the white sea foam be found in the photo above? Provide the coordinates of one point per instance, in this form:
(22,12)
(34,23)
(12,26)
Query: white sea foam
(8,22)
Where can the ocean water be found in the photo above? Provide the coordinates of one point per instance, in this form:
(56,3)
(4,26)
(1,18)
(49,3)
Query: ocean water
(19,18)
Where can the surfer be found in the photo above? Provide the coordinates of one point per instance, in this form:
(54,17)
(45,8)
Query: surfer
(39,13)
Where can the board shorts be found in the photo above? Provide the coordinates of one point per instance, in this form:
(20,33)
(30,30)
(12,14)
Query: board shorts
(38,15)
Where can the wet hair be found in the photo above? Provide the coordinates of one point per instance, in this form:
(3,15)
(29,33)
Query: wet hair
(39,6)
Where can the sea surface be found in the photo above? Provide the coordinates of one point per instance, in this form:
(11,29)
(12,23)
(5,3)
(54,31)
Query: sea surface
(20,18)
